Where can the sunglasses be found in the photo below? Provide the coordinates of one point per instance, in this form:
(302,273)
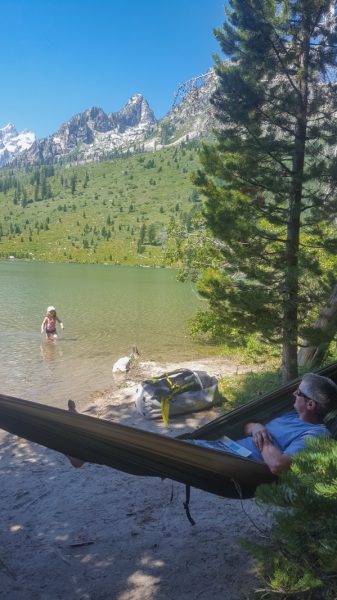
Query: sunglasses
(299,392)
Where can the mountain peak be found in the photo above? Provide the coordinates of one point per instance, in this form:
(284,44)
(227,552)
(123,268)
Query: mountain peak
(9,129)
(12,142)
(136,96)
(136,113)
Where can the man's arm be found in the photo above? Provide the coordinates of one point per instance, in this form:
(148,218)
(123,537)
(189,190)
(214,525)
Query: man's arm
(276,460)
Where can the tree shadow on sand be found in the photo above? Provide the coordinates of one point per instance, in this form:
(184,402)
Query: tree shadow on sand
(96,533)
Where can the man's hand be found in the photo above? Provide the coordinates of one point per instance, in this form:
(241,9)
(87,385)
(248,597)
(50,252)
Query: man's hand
(276,460)
(259,434)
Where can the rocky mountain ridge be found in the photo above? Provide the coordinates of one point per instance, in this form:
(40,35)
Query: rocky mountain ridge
(192,115)
(95,135)
(12,143)
(91,135)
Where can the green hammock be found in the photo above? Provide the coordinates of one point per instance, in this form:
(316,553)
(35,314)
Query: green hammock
(143,453)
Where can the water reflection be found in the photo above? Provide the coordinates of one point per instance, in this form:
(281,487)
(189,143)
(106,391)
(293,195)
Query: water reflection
(51,350)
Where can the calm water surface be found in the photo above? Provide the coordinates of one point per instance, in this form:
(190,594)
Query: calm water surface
(105,311)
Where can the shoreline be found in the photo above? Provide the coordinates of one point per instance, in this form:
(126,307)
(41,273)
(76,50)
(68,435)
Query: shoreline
(123,385)
(96,533)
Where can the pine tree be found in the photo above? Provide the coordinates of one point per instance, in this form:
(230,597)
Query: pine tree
(299,560)
(270,179)
(152,233)
(142,233)
(73,183)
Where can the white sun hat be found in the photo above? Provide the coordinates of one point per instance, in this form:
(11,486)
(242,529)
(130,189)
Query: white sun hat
(50,308)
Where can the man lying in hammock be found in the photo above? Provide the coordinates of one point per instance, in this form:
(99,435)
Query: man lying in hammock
(275,442)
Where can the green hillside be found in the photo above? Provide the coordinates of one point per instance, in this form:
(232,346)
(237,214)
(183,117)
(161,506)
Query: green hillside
(111,212)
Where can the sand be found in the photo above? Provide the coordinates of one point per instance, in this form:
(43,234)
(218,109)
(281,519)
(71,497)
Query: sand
(95,533)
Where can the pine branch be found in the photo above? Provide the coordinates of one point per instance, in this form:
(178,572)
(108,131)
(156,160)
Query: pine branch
(285,71)
(258,143)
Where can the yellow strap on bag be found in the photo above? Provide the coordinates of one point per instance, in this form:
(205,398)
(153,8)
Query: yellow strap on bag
(165,409)
(165,402)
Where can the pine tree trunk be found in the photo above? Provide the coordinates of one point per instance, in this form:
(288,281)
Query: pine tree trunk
(289,361)
(324,329)
(290,294)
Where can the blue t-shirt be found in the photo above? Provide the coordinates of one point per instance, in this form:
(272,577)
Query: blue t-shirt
(288,432)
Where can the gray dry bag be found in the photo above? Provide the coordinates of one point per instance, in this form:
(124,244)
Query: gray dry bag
(175,393)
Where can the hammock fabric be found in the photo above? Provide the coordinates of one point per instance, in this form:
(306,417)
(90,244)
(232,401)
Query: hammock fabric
(143,453)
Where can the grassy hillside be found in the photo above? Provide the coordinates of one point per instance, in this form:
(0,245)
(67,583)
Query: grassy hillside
(111,212)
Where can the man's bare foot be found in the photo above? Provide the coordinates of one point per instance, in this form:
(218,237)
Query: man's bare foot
(76,462)
(72,406)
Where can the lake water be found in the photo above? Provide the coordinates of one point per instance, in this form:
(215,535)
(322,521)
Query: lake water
(105,309)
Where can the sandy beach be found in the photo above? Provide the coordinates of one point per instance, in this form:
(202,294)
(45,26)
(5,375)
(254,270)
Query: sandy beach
(95,533)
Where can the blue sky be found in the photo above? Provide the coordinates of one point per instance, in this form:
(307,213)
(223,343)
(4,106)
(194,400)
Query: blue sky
(60,57)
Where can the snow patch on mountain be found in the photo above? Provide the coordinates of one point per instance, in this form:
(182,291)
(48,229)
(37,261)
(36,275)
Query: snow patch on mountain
(12,143)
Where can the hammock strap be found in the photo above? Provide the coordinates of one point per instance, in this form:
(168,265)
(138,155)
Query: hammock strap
(237,488)
(187,503)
